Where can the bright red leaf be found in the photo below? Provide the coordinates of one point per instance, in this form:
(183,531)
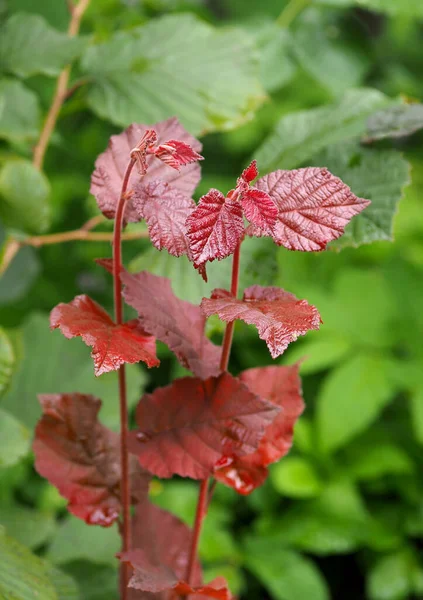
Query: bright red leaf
(110,166)
(113,345)
(250,173)
(178,324)
(215,228)
(281,386)
(81,458)
(177,154)
(186,427)
(278,315)
(314,207)
(165,210)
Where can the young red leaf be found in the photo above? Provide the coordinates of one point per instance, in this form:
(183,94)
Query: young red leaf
(113,345)
(281,386)
(176,154)
(259,209)
(215,228)
(165,210)
(250,173)
(278,315)
(81,458)
(186,427)
(177,323)
(314,207)
(110,166)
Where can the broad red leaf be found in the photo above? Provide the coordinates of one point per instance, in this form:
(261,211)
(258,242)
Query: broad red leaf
(281,386)
(259,209)
(165,210)
(81,458)
(113,345)
(177,323)
(110,166)
(215,228)
(314,207)
(278,315)
(177,154)
(186,427)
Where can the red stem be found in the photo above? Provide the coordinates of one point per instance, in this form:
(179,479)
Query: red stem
(204,496)
(124,465)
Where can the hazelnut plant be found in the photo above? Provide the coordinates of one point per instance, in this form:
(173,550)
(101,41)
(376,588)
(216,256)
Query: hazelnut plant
(211,427)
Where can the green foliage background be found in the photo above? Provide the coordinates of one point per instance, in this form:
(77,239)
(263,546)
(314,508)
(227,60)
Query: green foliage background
(290,83)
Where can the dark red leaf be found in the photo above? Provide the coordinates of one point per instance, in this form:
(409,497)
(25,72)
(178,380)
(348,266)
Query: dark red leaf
(281,386)
(278,315)
(110,166)
(259,209)
(113,345)
(215,228)
(186,427)
(177,323)
(314,207)
(250,173)
(165,210)
(176,154)
(81,458)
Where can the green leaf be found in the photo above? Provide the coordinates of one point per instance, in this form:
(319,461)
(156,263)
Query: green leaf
(52,364)
(350,400)
(96,582)
(75,540)
(22,33)
(331,61)
(7,361)
(393,122)
(300,135)
(375,461)
(276,66)
(205,76)
(284,573)
(296,477)
(23,576)
(416,409)
(20,117)
(19,276)
(318,353)
(65,586)
(15,439)
(409,8)
(379,176)
(394,577)
(27,526)
(24,193)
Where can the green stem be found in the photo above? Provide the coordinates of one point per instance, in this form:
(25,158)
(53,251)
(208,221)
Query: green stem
(290,12)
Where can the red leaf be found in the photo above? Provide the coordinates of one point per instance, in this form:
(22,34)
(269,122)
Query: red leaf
(176,154)
(165,210)
(314,207)
(177,323)
(281,386)
(110,166)
(81,458)
(215,228)
(113,345)
(186,427)
(250,173)
(259,209)
(278,315)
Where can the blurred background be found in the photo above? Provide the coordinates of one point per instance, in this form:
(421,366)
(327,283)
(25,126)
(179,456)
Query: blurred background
(291,83)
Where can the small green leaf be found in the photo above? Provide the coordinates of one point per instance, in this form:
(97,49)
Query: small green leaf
(15,440)
(19,276)
(394,577)
(205,76)
(374,461)
(296,477)
(350,399)
(24,195)
(27,526)
(416,409)
(299,136)
(20,117)
(24,32)
(393,122)
(7,361)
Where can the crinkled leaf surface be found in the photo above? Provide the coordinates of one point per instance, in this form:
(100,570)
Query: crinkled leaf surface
(176,154)
(379,175)
(186,427)
(215,228)
(113,345)
(165,210)
(110,166)
(278,315)
(259,209)
(177,323)
(314,207)
(81,457)
(187,75)
(23,32)
(20,116)
(282,387)
(300,135)
(395,121)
